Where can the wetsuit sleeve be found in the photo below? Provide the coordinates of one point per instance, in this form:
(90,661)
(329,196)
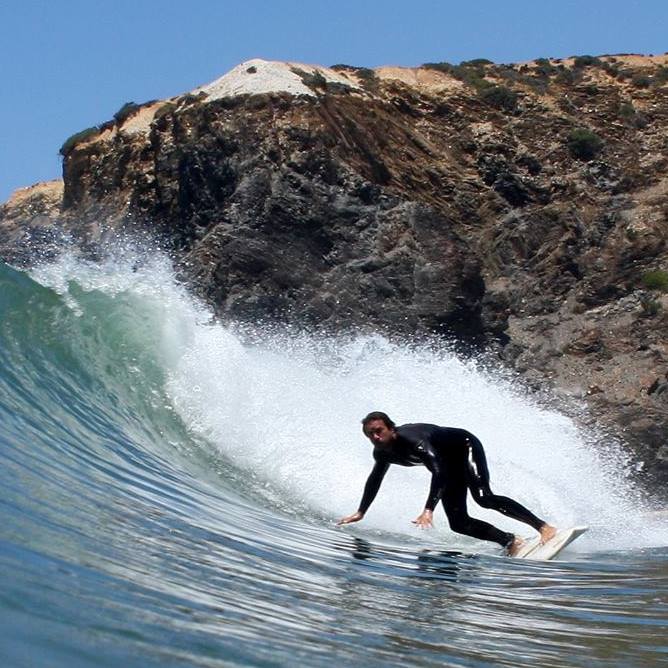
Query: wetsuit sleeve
(373,484)
(433,462)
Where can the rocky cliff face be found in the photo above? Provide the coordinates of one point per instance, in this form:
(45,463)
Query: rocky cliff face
(522,209)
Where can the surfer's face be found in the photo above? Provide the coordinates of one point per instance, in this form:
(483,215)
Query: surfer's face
(378,432)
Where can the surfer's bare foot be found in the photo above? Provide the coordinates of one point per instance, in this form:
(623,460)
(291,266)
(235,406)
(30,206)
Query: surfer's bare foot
(547,532)
(515,546)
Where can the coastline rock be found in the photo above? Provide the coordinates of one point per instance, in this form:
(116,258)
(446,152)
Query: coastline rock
(517,209)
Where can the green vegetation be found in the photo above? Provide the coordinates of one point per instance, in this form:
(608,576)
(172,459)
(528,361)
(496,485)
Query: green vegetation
(473,75)
(127,110)
(650,306)
(629,113)
(586,61)
(317,81)
(627,110)
(164,110)
(192,98)
(77,138)
(544,68)
(535,78)
(656,280)
(611,68)
(470,72)
(499,97)
(444,66)
(537,75)
(367,75)
(312,80)
(641,81)
(476,62)
(584,144)
(661,75)
(565,76)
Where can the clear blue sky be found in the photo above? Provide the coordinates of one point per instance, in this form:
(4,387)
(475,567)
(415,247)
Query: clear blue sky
(70,64)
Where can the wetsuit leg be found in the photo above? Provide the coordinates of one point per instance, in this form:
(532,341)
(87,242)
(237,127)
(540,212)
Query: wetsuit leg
(454,502)
(478,483)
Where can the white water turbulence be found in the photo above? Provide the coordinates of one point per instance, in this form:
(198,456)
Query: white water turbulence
(285,413)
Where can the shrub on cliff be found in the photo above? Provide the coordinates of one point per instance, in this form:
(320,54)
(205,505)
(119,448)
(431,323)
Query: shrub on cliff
(445,67)
(661,75)
(586,61)
(471,72)
(584,144)
(127,110)
(544,67)
(641,80)
(499,97)
(590,89)
(656,280)
(315,80)
(163,112)
(367,78)
(77,138)
(650,306)
(476,62)
(523,76)
(565,76)
(191,98)
(627,110)
(612,68)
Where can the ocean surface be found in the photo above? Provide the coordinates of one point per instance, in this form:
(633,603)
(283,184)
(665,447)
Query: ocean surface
(170,487)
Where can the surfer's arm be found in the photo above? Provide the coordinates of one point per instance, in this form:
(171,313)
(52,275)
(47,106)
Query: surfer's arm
(433,462)
(370,490)
(373,485)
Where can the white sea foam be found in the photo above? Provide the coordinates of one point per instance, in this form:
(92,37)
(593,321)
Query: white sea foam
(291,414)
(287,413)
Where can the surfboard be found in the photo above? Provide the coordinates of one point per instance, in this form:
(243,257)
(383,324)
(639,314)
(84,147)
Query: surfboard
(533,549)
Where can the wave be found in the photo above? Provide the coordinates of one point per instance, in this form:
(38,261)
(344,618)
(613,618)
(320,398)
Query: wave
(124,392)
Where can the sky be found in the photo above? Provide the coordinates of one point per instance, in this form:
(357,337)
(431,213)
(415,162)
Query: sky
(72,64)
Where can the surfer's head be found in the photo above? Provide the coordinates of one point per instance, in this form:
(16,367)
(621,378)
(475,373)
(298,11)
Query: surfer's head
(379,428)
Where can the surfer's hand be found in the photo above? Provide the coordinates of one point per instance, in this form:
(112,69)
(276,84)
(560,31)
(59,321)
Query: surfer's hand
(424,521)
(355,517)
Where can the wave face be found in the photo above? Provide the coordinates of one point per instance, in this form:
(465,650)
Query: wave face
(170,488)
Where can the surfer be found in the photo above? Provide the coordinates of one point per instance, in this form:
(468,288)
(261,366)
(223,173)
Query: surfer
(457,463)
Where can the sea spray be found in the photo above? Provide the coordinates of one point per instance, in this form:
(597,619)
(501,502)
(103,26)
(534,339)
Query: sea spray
(284,412)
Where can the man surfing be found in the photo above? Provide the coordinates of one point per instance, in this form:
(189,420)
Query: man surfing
(456,460)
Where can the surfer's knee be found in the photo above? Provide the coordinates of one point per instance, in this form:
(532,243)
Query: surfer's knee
(484,497)
(459,523)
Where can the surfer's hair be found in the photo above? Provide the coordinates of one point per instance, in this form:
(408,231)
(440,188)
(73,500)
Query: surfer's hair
(378,415)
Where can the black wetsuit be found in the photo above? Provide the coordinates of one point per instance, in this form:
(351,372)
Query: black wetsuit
(457,462)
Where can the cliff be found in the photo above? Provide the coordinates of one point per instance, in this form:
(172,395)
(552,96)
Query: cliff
(520,209)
